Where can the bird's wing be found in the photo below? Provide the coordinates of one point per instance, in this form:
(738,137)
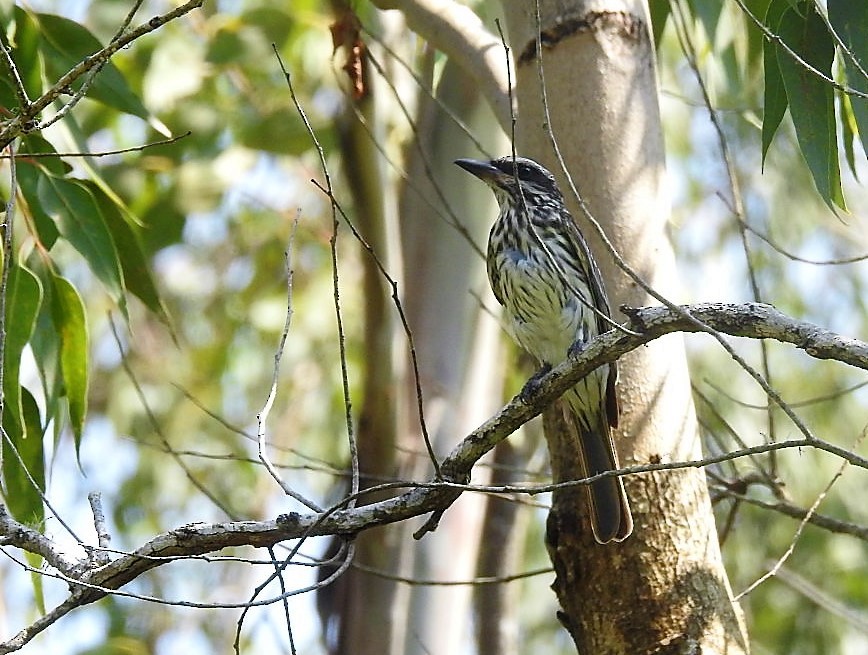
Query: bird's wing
(601,302)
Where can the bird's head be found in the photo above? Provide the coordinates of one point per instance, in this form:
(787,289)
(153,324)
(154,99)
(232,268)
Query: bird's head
(506,175)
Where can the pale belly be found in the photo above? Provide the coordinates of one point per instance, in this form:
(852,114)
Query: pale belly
(544,319)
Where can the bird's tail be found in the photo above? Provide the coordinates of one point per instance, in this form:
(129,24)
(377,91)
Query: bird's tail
(610,512)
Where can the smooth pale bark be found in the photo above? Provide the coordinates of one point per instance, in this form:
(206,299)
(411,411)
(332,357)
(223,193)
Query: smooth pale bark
(664,590)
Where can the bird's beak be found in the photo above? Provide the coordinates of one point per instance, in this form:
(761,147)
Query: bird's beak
(481,169)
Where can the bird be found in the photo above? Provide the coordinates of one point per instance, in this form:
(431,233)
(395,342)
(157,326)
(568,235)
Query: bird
(542,272)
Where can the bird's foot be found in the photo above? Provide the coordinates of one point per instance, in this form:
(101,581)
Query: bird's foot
(576,348)
(532,385)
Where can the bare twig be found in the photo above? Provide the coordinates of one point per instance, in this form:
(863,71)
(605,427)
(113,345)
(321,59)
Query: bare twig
(337,210)
(351,435)
(7,261)
(102,153)
(262,416)
(787,508)
(797,258)
(20,89)
(25,121)
(99,555)
(737,205)
(804,522)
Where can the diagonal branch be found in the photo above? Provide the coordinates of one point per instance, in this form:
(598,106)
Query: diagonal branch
(751,320)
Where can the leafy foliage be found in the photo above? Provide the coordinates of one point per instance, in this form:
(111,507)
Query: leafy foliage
(184,241)
(798,49)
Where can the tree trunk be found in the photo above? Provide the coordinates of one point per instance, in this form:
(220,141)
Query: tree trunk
(663,590)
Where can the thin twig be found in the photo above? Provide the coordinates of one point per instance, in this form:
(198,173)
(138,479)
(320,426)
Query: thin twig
(804,522)
(399,306)
(155,424)
(337,210)
(737,207)
(103,538)
(262,416)
(103,153)
(20,89)
(23,122)
(348,413)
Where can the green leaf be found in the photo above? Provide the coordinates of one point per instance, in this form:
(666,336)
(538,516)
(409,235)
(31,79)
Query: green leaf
(24,466)
(848,131)
(660,10)
(708,13)
(23,298)
(850,21)
(774,94)
(66,44)
(137,271)
(20,414)
(67,311)
(29,170)
(45,345)
(811,99)
(80,221)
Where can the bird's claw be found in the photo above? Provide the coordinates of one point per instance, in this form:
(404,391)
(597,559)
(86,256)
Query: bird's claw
(532,385)
(576,348)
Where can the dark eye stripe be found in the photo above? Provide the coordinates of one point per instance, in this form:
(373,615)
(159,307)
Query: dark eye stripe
(527,170)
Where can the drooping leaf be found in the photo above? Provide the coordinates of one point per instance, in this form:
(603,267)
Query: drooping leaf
(45,346)
(67,310)
(79,219)
(21,445)
(24,466)
(708,13)
(850,22)
(24,478)
(811,98)
(848,131)
(659,10)
(66,43)
(30,167)
(137,272)
(23,297)
(774,95)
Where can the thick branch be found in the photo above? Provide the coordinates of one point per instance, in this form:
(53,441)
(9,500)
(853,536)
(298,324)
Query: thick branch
(457,31)
(13,533)
(750,320)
